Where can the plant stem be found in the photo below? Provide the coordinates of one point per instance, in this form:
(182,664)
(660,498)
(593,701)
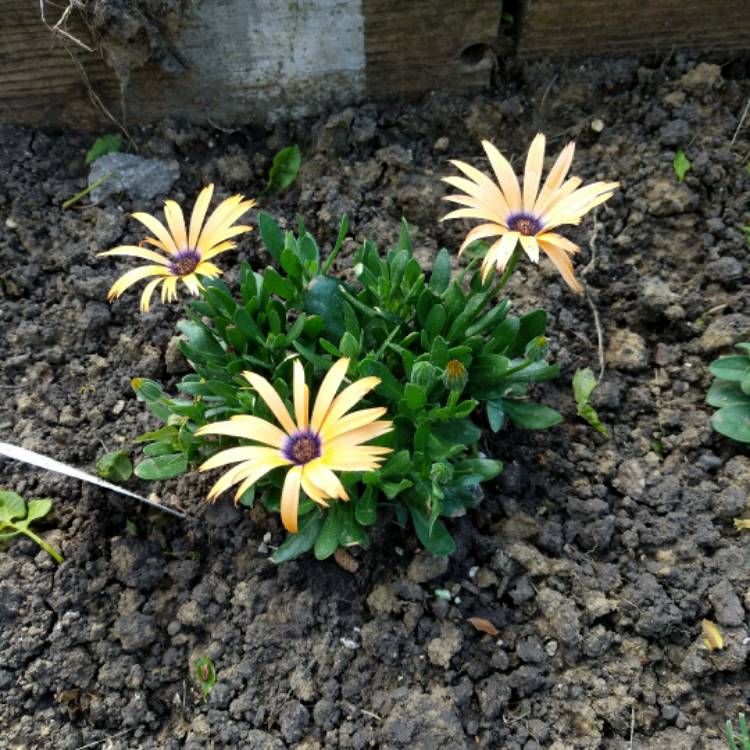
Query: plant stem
(510,268)
(343,229)
(68,203)
(52,552)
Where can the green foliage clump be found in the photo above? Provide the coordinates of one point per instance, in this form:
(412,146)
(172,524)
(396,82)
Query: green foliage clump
(730,394)
(741,740)
(115,466)
(449,356)
(205,675)
(16,515)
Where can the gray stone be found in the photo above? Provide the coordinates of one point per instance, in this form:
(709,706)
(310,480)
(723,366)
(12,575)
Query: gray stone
(724,270)
(442,649)
(723,332)
(627,351)
(667,197)
(235,169)
(726,604)
(703,78)
(138,177)
(425,567)
(293,721)
(561,614)
(174,360)
(135,631)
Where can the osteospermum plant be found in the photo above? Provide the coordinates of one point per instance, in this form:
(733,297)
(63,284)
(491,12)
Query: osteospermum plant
(405,365)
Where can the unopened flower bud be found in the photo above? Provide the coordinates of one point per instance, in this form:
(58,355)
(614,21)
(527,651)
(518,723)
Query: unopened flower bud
(455,376)
(423,374)
(536,349)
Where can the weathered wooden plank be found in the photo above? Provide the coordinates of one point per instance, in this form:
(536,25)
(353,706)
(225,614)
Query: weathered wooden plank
(248,60)
(581,27)
(420,44)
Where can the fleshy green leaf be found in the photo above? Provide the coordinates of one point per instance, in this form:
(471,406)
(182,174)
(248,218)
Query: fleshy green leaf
(115,466)
(108,143)
(441,272)
(457,431)
(272,236)
(162,467)
(439,542)
(327,541)
(12,506)
(284,170)
(322,296)
(733,421)
(531,416)
(297,544)
(723,393)
(38,508)
(731,368)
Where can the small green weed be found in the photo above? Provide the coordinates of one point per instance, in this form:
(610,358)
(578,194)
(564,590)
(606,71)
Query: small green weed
(681,165)
(284,170)
(584,383)
(743,736)
(108,143)
(730,394)
(205,675)
(16,515)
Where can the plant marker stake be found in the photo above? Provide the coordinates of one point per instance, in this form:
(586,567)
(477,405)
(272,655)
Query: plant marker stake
(43,462)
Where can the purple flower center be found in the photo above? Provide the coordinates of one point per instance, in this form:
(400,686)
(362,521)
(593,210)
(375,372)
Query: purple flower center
(302,447)
(525,224)
(184,262)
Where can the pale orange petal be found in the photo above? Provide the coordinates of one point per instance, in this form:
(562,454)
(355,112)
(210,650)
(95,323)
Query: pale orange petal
(481,232)
(154,225)
(242,453)
(532,175)
(563,264)
(555,178)
(176,224)
(290,499)
(272,399)
(327,391)
(505,176)
(300,400)
(199,214)
(247,427)
(137,252)
(132,277)
(347,399)
(148,292)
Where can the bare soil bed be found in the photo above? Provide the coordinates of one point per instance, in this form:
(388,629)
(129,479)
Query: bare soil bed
(595,558)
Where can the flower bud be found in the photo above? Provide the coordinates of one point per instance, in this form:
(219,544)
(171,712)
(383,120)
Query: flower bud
(455,376)
(536,349)
(423,374)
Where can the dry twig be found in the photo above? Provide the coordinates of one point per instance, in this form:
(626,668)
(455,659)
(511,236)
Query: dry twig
(597,324)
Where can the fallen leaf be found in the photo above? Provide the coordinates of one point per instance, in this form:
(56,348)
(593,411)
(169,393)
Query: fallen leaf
(484,625)
(712,636)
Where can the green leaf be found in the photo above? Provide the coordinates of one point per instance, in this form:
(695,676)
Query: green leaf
(284,170)
(531,325)
(681,165)
(12,506)
(159,449)
(201,339)
(322,296)
(392,489)
(441,272)
(38,508)
(366,506)
(584,383)
(439,542)
(327,541)
(351,532)
(115,466)
(415,396)
(162,467)
(484,468)
(349,345)
(435,320)
(531,416)
(495,415)
(389,386)
(457,431)
(730,368)
(277,284)
(723,393)
(272,236)
(733,421)
(244,321)
(108,143)
(297,544)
